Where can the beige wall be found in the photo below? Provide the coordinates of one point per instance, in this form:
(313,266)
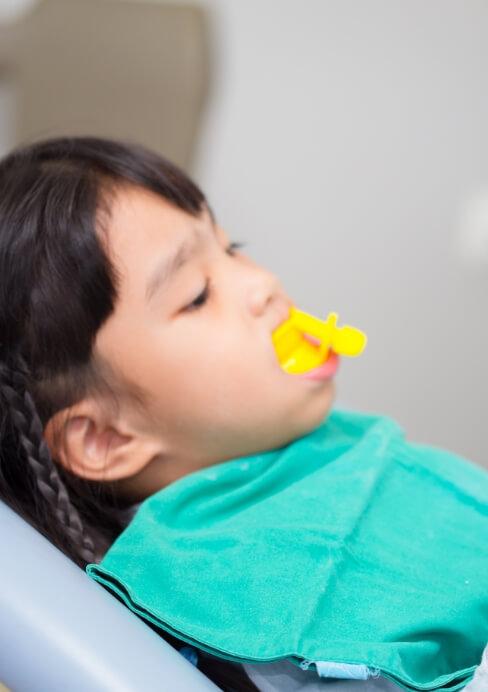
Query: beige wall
(71,71)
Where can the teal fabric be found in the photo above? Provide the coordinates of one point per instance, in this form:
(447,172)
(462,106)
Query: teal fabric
(349,545)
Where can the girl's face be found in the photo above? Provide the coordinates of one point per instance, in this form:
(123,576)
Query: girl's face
(192,328)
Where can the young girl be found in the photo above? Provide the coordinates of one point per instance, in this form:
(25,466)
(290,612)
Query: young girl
(135,340)
(135,346)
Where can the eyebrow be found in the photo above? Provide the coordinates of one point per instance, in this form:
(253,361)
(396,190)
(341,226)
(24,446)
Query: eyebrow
(169,265)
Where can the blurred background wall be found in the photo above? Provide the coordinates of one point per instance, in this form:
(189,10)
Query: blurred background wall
(346,142)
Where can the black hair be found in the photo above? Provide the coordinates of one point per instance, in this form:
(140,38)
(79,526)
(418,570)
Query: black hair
(57,288)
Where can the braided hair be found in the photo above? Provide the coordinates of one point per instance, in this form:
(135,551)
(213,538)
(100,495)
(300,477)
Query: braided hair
(20,410)
(57,287)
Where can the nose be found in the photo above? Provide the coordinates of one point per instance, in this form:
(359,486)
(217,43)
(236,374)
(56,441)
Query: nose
(265,293)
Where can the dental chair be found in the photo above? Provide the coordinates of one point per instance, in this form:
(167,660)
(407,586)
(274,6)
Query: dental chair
(129,70)
(60,631)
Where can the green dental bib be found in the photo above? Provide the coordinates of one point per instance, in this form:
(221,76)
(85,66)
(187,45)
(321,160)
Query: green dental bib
(349,548)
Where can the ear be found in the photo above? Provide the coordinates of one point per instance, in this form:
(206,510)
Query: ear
(88,440)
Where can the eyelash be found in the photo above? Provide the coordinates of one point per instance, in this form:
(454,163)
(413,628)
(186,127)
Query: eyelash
(201,299)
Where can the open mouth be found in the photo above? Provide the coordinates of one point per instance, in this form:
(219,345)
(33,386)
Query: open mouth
(310,347)
(321,366)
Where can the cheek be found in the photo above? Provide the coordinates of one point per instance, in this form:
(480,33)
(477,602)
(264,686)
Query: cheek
(220,373)
(209,350)
(224,367)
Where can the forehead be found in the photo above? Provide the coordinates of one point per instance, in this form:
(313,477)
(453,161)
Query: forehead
(142,227)
(140,219)
(144,236)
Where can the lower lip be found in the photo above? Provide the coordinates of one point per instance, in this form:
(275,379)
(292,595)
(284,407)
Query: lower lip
(325,371)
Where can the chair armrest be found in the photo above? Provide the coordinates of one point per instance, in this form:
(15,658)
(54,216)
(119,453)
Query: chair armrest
(60,630)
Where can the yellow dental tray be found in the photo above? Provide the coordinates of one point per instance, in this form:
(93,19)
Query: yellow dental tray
(297,353)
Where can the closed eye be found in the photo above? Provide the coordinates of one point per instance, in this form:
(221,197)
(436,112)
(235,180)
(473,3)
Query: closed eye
(202,298)
(233,246)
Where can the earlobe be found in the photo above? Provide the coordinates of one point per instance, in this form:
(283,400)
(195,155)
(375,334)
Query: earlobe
(87,443)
